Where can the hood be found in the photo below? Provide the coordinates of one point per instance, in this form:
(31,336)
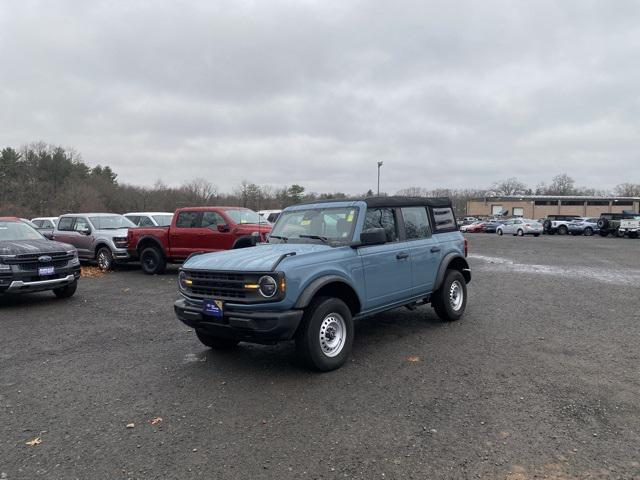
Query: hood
(21,247)
(119,232)
(260,258)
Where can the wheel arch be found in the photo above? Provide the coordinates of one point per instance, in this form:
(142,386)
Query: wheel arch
(453,261)
(149,241)
(99,246)
(331,286)
(243,242)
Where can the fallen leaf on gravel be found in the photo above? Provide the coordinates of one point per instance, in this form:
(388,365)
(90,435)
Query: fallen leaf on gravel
(156,420)
(34,442)
(413,358)
(131,425)
(126,290)
(88,271)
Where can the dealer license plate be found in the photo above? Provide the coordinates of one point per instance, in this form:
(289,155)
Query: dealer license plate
(212,308)
(44,271)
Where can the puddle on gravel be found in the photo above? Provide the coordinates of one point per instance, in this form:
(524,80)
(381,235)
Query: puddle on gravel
(618,276)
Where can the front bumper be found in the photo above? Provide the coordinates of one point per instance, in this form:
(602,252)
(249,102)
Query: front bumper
(27,285)
(257,326)
(121,255)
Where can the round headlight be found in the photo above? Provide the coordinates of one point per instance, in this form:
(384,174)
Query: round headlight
(268,287)
(183,281)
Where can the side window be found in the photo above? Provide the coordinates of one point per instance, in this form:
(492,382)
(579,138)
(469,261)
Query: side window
(211,218)
(382,218)
(444,219)
(416,222)
(187,220)
(145,222)
(134,218)
(65,224)
(81,224)
(38,223)
(47,224)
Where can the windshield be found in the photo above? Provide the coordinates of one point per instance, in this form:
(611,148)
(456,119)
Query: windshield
(316,225)
(13,231)
(163,220)
(112,222)
(244,215)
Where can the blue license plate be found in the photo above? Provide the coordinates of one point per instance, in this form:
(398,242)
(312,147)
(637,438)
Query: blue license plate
(212,308)
(44,271)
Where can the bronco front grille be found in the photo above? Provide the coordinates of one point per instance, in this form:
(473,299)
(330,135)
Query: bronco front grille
(229,286)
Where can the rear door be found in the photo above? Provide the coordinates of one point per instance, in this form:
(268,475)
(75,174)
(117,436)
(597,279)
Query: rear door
(425,251)
(387,268)
(184,235)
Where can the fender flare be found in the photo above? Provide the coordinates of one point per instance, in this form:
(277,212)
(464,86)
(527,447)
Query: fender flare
(310,290)
(444,265)
(151,239)
(244,238)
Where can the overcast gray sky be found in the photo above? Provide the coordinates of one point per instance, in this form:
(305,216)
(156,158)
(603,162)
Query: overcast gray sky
(447,94)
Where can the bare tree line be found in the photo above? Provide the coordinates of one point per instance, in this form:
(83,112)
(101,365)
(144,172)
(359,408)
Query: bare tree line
(46,180)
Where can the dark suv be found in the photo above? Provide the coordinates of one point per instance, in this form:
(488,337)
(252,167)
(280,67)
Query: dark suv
(31,263)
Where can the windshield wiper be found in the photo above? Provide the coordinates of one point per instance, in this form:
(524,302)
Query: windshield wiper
(315,237)
(284,239)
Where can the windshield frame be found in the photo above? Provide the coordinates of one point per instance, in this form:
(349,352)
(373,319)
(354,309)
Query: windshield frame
(22,224)
(229,213)
(330,241)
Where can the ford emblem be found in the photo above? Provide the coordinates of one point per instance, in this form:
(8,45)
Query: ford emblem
(44,259)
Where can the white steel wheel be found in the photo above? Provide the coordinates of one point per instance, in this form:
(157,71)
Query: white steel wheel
(332,335)
(456,295)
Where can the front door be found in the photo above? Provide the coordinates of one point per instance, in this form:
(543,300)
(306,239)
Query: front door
(210,238)
(184,237)
(387,268)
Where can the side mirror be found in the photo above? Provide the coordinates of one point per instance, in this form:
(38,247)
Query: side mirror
(373,236)
(223,228)
(85,231)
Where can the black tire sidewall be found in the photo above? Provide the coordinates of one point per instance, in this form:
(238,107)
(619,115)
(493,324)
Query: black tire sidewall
(66,291)
(307,342)
(159,260)
(444,310)
(588,232)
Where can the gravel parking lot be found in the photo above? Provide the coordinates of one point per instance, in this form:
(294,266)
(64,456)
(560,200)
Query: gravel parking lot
(540,379)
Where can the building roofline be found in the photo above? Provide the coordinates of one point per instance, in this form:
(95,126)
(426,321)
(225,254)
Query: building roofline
(554,197)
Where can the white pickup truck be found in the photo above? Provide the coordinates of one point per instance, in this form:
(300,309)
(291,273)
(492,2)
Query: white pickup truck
(630,227)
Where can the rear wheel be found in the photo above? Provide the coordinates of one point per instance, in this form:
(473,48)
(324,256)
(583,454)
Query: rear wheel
(563,230)
(588,231)
(633,234)
(325,336)
(104,259)
(450,300)
(520,233)
(499,231)
(536,234)
(217,343)
(152,261)
(603,233)
(66,291)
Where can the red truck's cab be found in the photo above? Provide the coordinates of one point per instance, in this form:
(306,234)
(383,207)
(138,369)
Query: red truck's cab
(196,230)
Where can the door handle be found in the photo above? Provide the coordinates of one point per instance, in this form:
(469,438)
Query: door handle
(402,255)
(435,249)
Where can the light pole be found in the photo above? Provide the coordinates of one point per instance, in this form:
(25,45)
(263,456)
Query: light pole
(379,165)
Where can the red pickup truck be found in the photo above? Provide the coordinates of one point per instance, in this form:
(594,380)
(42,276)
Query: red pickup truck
(195,230)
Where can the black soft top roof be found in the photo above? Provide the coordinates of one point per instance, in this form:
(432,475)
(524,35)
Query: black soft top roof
(378,202)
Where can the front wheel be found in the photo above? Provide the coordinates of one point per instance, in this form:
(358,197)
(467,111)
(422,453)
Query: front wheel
(536,234)
(499,232)
(217,343)
(520,233)
(562,230)
(450,300)
(66,291)
(588,231)
(633,234)
(152,261)
(325,336)
(105,259)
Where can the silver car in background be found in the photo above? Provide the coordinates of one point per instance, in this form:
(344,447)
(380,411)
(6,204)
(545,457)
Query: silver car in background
(97,236)
(520,227)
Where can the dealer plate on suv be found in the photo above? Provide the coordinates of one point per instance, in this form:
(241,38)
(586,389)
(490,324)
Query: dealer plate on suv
(46,271)
(212,308)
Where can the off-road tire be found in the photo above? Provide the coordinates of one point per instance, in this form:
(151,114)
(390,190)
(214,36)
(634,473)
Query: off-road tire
(104,257)
(604,233)
(546,226)
(217,343)
(633,235)
(152,261)
(442,301)
(603,224)
(66,291)
(313,343)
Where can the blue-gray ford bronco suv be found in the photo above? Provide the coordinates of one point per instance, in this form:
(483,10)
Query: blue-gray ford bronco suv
(324,265)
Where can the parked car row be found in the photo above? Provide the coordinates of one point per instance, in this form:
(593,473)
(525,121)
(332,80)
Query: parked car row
(322,266)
